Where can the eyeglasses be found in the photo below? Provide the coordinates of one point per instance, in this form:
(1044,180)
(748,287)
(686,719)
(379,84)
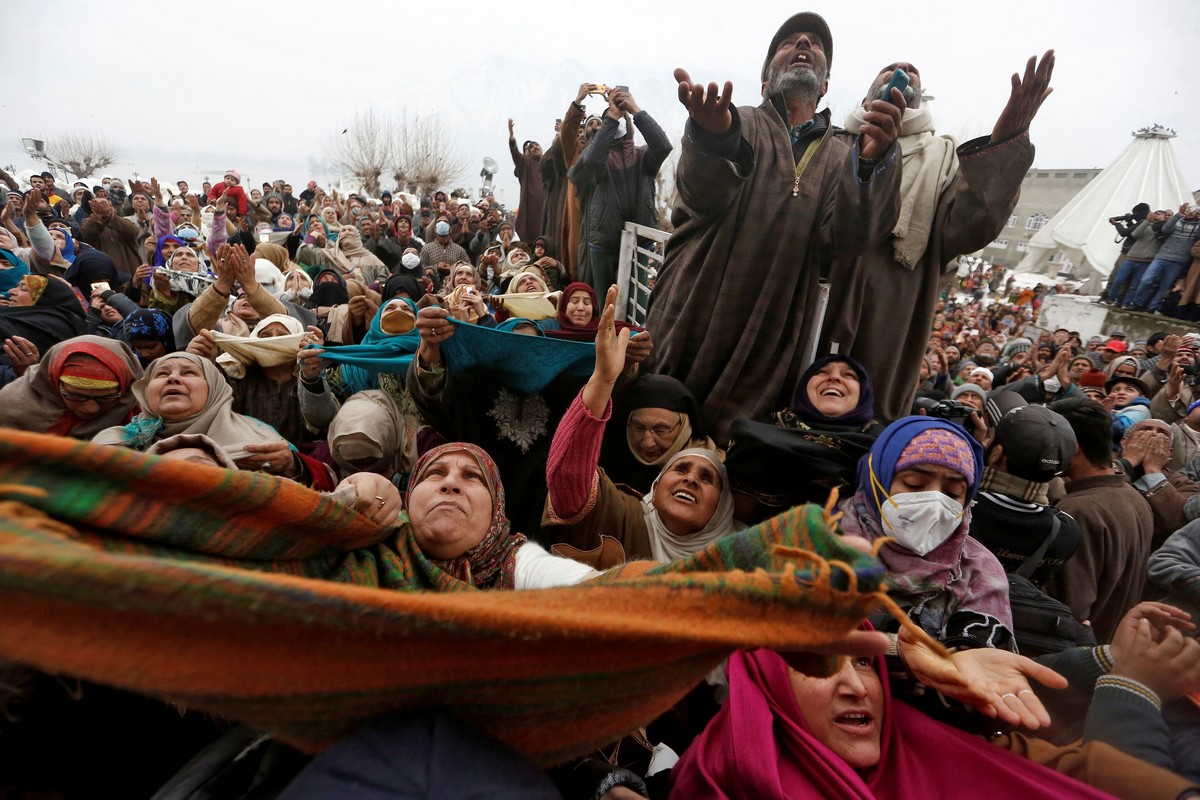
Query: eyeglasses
(657,431)
(70,396)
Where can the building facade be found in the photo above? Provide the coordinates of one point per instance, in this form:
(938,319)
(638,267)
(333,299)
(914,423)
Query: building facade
(1043,194)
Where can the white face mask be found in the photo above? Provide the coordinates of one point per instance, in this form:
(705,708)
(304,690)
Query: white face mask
(920,521)
(410,260)
(1052,384)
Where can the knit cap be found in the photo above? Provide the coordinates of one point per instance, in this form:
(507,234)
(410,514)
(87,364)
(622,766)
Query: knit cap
(968,388)
(938,447)
(1016,346)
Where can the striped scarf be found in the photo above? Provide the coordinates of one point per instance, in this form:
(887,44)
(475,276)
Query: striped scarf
(255,599)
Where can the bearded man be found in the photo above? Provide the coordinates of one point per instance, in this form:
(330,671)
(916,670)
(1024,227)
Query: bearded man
(881,304)
(768,198)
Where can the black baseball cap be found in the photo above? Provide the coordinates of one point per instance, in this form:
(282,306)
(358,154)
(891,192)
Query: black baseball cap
(1000,401)
(1038,443)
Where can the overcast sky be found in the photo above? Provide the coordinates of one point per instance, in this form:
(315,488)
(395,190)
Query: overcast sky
(261,87)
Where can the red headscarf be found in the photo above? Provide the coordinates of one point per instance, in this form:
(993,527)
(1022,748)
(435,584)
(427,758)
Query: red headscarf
(586,332)
(84,359)
(758,747)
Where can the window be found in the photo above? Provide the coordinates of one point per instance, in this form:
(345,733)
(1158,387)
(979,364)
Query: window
(1060,174)
(999,244)
(1022,247)
(1036,222)
(1011,221)
(1080,175)
(1043,174)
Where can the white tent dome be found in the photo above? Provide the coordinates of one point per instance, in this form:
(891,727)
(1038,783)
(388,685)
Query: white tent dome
(1146,172)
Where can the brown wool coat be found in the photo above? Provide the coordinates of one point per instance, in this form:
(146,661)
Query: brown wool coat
(1107,574)
(562,211)
(529,176)
(738,288)
(118,240)
(616,513)
(880,312)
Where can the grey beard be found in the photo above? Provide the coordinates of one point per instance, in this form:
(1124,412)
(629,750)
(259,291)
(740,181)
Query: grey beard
(800,83)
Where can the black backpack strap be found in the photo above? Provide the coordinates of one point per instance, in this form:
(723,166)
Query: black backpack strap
(1035,560)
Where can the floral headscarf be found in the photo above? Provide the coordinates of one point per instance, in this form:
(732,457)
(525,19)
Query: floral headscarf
(148,323)
(491,564)
(36,284)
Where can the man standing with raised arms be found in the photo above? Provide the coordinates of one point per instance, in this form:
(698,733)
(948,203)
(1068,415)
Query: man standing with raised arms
(768,200)
(954,200)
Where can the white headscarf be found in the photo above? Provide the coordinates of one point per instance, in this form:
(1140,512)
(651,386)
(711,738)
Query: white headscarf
(529,305)
(302,294)
(666,546)
(268,276)
(216,419)
(242,351)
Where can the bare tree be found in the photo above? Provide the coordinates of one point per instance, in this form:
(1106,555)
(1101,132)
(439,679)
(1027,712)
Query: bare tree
(82,153)
(427,157)
(366,149)
(418,151)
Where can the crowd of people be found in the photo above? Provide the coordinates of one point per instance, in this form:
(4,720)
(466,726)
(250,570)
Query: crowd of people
(462,373)
(1154,271)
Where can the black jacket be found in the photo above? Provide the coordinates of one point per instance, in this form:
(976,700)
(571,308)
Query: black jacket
(615,180)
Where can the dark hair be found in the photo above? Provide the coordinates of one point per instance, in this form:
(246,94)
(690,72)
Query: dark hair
(1092,425)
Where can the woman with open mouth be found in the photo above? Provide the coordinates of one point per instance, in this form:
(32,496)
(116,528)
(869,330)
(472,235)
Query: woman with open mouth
(187,393)
(788,733)
(803,452)
(688,507)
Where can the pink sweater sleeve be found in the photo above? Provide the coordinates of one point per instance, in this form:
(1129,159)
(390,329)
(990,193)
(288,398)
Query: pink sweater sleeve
(162,222)
(574,456)
(219,234)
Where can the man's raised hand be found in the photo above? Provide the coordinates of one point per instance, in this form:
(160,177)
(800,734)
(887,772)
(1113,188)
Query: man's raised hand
(1026,98)
(707,107)
(882,125)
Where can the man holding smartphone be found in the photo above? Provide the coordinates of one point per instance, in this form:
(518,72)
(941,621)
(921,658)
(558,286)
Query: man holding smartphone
(954,200)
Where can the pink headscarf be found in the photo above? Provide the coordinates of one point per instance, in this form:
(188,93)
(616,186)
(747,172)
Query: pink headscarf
(759,748)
